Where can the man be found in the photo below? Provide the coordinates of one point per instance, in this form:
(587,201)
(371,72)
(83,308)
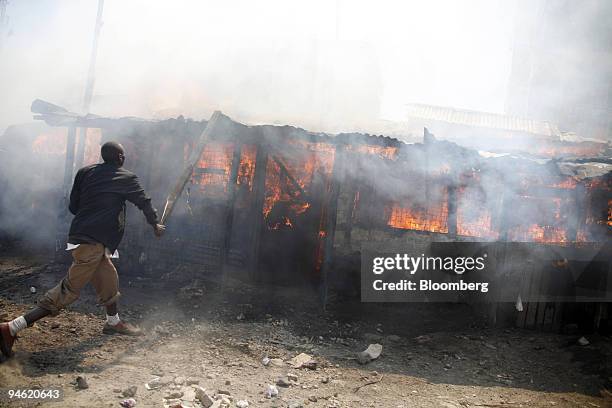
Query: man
(98,202)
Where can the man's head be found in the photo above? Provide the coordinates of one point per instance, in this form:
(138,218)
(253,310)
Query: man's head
(113,153)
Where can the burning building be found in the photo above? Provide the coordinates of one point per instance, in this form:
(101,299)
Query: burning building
(279,204)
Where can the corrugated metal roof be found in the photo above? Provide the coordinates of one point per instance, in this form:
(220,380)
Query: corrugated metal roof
(482,119)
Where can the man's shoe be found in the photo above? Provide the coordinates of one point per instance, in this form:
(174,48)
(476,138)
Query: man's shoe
(122,328)
(6,340)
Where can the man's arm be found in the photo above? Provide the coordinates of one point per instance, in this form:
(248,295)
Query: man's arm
(137,196)
(75,193)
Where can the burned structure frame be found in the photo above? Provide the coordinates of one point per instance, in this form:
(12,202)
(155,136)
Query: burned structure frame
(279,204)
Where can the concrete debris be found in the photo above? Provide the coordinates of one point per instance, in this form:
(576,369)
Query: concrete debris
(128,403)
(371,353)
(242,404)
(130,391)
(583,341)
(271,391)
(303,360)
(81,383)
(203,397)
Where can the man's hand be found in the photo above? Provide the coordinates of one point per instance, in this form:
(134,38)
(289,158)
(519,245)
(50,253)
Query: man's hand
(159,229)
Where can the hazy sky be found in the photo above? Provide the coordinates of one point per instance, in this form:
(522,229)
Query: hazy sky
(317,64)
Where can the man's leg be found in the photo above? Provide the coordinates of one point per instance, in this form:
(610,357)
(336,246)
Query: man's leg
(106,283)
(86,259)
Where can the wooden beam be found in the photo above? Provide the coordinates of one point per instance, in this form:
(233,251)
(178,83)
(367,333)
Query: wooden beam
(231,200)
(292,180)
(259,189)
(194,157)
(331,214)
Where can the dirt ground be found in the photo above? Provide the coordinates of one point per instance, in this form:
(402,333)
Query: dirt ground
(433,355)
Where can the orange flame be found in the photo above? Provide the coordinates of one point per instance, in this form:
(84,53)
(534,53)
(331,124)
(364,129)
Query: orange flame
(434,218)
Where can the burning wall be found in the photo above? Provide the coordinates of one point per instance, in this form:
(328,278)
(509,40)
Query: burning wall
(260,188)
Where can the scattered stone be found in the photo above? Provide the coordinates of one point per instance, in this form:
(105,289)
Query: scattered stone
(223,391)
(228,382)
(210,376)
(128,403)
(283,382)
(583,341)
(154,384)
(325,380)
(32,290)
(394,337)
(265,361)
(174,395)
(295,404)
(203,397)
(303,360)
(179,380)
(117,390)
(371,353)
(130,391)
(81,383)
(271,391)
(312,398)
(292,377)
(242,404)
(277,362)
(192,381)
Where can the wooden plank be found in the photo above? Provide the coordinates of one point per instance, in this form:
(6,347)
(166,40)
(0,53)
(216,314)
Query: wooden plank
(196,153)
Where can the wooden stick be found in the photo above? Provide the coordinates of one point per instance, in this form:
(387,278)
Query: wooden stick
(368,383)
(192,162)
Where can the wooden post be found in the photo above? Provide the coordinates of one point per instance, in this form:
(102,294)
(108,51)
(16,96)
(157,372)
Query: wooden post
(231,200)
(259,189)
(337,177)
(69,164)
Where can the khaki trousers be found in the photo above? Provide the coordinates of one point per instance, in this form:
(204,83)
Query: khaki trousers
(90,264)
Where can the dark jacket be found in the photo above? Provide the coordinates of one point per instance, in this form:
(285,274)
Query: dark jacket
(98,202)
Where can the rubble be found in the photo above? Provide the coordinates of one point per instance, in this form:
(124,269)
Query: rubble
(128,403)
(242,404)
(203,397)
(583,341)
(371,353)
(303,360)
(271,391)
(81,382)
